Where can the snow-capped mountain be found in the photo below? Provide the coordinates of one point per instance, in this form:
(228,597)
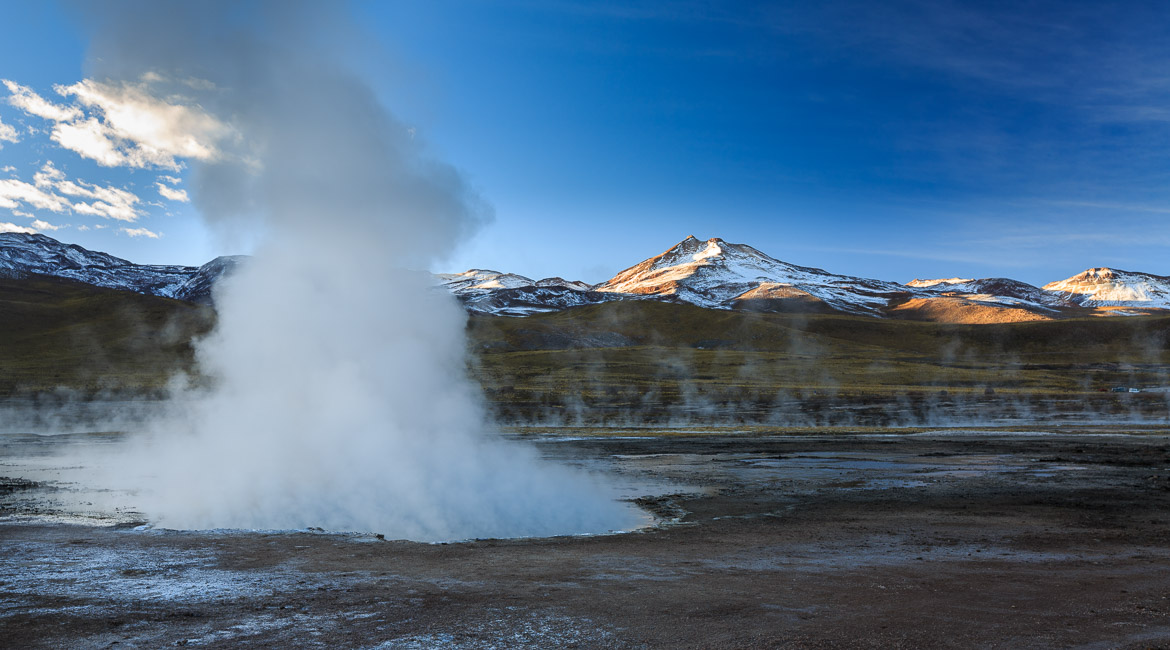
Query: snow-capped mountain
(1105,287)
(568,284)
(24,254)
(997,291)
(720,275)
(971,301)
(533,299)
(478,281)
(509,294)
(198,287)
(712,274)
(926,284)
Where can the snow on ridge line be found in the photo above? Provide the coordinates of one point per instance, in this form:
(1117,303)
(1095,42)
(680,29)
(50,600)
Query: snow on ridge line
(712,273)
(720,275)
(39,254)
(716,274)
(478,281)
(935,282)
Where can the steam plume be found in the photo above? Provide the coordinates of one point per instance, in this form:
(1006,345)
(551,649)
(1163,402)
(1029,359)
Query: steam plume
(339,396)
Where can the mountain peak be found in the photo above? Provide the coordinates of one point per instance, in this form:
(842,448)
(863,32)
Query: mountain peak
(688,252)
(1103,272)
(482,281)
(1103,286)
(693,249)
(690,243)
(714,273)
(691,240)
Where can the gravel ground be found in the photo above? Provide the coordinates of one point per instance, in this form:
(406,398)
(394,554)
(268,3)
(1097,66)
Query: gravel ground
(950,539)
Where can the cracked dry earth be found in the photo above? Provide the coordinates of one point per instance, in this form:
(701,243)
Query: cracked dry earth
(843,541)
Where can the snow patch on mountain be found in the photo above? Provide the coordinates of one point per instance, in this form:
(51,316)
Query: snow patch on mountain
(1106,287)
(717,274)
(576,285)
(24,254)
(712,273)
(481,280)
(994,291)
(532,299)
(508,294)
(923,284)
(199,286)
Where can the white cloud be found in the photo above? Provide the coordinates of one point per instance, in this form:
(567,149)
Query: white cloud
(107,202)
(48,176)
(172,194)
(105,210)
(83,228)
(126,125)
(91,139)
(11,227)
(14,194)
(45,225)
(173,180)
(30,102)
(148,131)
(8,133)
(50,188)
(140,232)
(7,169)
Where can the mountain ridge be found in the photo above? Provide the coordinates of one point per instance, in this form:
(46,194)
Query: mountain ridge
(1106,287)
(716,274)
(720,275)
(22,254)
(711,273)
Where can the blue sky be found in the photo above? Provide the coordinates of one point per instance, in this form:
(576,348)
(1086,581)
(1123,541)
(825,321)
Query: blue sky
(891,140)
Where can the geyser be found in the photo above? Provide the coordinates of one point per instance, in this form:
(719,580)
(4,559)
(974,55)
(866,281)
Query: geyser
(338,395)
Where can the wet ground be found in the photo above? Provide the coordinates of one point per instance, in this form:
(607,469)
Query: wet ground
(936,539)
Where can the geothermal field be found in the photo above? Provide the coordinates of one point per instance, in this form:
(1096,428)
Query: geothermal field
(652,495)
(319,436)
(743,537)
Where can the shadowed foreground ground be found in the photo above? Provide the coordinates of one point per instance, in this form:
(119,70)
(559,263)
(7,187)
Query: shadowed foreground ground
(992,540)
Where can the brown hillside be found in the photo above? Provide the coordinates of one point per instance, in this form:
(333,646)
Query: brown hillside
(959,311)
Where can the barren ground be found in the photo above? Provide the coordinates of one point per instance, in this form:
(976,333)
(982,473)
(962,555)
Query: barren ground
(946,539)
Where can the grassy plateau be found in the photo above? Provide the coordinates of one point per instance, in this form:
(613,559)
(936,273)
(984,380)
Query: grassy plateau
(643,362)
(60,334)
